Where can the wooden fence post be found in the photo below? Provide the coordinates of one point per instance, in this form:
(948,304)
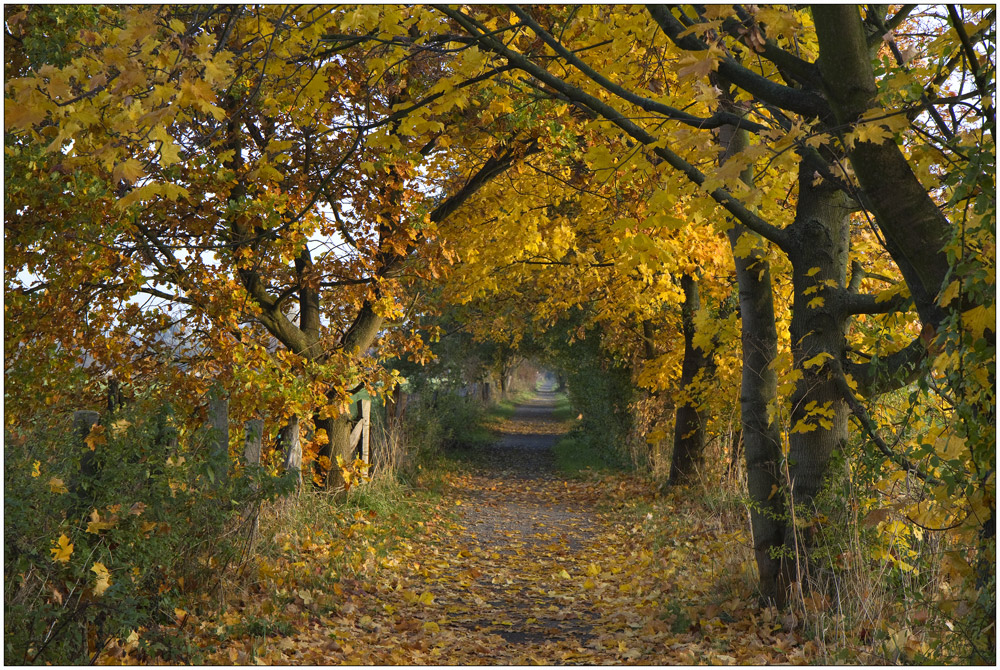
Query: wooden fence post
(83,421)
(218,437)
(254,444)
(252,448)
(293,449)
(366,413)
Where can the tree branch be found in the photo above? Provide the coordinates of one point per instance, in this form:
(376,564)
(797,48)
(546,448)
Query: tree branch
(893,372)
(806,103)
(869,426)
(721,196)
(718,119)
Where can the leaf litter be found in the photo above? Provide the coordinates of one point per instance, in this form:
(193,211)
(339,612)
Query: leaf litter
(514,565)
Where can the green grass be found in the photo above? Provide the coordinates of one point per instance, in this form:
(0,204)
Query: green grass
(563,410)
(576,456)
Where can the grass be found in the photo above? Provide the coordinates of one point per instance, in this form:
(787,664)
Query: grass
(563,410)
(577,456)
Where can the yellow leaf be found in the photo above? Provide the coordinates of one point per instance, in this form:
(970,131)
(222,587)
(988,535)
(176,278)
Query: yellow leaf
(949,294)
(95,525)
(593,570)
(432,627)
(699,67)
(851,382)
(812,271)
(95,437)
(563,574)
(129,171)
(426,598)
(817,359)
(589,583)
(816,302)
(36,469)
(802,426)
(978,319)
(103,578)
(63,550)
(56,485)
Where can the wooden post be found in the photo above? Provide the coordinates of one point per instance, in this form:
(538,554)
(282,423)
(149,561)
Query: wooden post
(166,429)
(254,444)
(218,437)
(252,448)
(83,421)
(293,449)
(366,413)
(116,399)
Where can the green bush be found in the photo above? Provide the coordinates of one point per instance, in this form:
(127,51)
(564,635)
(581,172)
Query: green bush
(104,543)
(447,421)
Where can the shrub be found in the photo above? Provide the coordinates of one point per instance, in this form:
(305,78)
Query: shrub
(104,543)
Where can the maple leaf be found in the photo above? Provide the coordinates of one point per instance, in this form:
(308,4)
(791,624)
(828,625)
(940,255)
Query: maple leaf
(63,550)
(95,525)
(103,578)
(56,485)
(817,359)
(95,437)
(128,171)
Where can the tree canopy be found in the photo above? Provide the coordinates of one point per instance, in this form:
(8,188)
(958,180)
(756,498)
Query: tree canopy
(780,214)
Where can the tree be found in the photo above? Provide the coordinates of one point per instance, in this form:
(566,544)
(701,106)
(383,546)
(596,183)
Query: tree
(260,181)
(799,111)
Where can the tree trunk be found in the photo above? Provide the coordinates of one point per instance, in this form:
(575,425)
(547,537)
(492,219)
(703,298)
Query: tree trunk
(358,338)
(758,389)
(914,228)
(689,426)
(819,247)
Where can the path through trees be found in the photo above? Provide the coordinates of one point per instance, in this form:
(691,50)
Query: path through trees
(519,565)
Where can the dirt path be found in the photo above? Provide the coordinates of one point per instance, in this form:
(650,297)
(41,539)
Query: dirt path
(520,574)
(518,565)
(532,524)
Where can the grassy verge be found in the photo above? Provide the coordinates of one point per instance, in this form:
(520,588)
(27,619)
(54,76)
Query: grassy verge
(576,456)
(564,410)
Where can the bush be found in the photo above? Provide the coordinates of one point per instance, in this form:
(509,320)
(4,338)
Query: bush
(104,543)
(447,421)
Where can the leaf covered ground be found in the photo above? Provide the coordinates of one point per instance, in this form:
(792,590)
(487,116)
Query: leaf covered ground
(510,564)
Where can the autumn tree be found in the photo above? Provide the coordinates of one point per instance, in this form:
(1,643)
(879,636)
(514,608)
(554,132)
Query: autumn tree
(791,92)
(261,186)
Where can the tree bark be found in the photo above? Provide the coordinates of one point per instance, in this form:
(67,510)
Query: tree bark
(758,389)
(358,338)
(818,249)
(689,426)
(914,228)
